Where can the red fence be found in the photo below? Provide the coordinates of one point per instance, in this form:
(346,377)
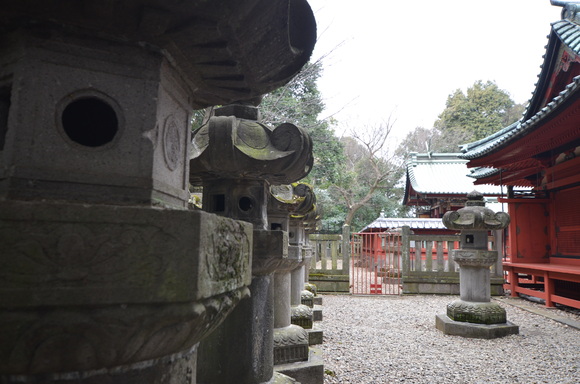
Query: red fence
(403,262)
(376,263)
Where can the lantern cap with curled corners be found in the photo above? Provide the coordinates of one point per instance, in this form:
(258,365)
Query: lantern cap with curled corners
(475,216)
(237,147)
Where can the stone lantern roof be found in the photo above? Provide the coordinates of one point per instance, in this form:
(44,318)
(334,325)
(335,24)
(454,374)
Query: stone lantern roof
(475,216)
(225,50)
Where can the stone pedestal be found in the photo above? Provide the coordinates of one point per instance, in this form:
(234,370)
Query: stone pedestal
(301,313)
(290,340)
(92,293)
(292,354)
(474,314)
(474,330)
(241,349)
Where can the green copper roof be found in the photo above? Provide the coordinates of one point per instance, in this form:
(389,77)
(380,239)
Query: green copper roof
(442,173)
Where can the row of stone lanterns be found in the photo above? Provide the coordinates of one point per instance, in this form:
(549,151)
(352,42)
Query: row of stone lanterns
(236,159)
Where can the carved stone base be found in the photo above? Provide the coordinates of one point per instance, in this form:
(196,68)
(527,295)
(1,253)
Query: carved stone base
(316,334)
(280,378)
(307,298)
(311,287)
(87,288)
(305,372)
(160,371)
(302,316)
(290,344)
(474,312)
(472,330)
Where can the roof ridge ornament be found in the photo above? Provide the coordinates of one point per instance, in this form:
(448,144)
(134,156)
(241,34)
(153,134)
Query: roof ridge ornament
(563,3)
(570,8)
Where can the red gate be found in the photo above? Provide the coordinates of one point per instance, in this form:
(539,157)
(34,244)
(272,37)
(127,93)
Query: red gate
(376,263)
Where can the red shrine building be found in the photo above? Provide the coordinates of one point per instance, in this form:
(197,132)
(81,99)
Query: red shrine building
(541,153)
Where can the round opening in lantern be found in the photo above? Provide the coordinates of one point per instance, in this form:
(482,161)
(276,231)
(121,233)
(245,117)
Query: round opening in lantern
(90,122)
(246,204)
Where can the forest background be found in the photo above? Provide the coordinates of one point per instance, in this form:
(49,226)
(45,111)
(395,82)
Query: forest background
(359,175)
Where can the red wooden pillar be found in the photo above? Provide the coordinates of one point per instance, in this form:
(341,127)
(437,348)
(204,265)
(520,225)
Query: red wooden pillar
(513,282)
(548,289)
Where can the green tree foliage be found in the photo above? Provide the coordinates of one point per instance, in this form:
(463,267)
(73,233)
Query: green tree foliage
(484,110)
(367,186)
(352,180)
(300,103)
(200,117)
(419,140)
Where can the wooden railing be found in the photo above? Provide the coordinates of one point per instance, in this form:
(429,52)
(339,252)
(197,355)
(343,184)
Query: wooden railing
(329,269)
(428,267)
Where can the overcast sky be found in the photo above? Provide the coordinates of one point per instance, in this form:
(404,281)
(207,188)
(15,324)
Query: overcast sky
(404,57)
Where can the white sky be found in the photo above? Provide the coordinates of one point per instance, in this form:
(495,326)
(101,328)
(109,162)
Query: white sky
(404,57)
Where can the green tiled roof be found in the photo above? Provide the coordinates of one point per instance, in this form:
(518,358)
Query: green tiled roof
(442,173)
(387,223)
(481,172)
(569,33)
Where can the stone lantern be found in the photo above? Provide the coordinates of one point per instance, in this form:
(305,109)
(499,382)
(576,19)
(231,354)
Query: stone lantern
(106,274)
(474,314)
(236,159)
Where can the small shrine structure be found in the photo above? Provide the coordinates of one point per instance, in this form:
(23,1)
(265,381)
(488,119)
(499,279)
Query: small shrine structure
(438,182)
(540,152)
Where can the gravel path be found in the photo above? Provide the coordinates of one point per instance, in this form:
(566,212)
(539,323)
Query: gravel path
(393,339)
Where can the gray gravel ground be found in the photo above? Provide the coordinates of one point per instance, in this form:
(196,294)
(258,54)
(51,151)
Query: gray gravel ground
(393,339)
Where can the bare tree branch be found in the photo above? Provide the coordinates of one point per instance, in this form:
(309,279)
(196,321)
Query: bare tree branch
(371,163)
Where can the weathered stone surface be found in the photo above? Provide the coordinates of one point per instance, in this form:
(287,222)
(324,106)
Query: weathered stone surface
(225,50)
(270,251)
(280,378)
(84,338)
(240,350)
(232,148)
(447,286)
(73,254)
(474,257)
(474,307)
(330,283)
(98,101)
(290,344)
(317,313)
(310,371)
(91,287)
(307,298)
(311,287)
(178,368)
(474,312)
(477,331)
(315,335)
(82,119)
(235,159)
(475,216)
(302,316)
